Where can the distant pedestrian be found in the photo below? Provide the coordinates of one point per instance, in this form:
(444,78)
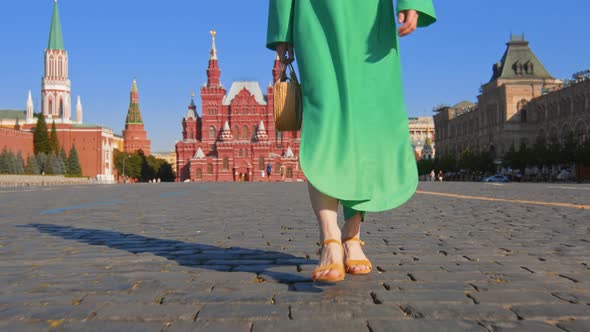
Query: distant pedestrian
(268,171)
(432,176)
(440,176)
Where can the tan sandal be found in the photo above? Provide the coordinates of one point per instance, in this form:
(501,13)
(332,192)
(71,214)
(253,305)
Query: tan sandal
(338,267)
(349,263)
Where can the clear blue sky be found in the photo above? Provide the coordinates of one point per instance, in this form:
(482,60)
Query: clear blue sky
(165,45)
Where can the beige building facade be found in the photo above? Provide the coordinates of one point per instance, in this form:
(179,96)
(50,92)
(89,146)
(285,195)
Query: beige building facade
(422,137)
(521,104)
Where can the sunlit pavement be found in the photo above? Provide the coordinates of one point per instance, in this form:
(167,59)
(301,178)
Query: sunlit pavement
(237,257)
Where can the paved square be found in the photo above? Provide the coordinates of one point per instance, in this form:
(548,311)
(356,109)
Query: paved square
(237,257)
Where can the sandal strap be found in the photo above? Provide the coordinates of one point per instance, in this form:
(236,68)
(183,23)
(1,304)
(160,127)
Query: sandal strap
(354,238)
(332,241)
(352,262)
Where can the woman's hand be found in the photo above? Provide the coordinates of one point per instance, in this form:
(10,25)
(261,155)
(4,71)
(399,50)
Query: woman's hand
(410,20)
(282,50)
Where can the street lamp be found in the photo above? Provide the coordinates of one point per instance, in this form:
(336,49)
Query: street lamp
(124,179)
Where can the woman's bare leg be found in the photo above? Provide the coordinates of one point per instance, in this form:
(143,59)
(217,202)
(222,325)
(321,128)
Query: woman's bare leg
(326,210)
(353,249)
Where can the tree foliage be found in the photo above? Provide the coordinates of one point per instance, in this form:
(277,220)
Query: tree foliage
(40,136)
(73,163)
(53,140)
(143,168)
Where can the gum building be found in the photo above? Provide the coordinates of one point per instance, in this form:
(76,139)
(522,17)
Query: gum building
(521,104)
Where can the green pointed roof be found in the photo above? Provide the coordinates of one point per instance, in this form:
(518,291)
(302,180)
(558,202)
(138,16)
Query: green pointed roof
(519,62)
(134,113)
(56,41)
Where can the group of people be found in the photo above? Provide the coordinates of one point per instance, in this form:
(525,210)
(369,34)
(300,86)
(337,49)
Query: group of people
(434,177)
(282,172)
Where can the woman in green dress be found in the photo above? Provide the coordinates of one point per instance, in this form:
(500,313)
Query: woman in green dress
(355,142)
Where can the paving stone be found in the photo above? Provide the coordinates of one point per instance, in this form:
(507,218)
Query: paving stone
(309,324)
(210,326)
(23,326)
(147,312)
(552,312)
(424,325)
(575,325)
(102,326)
(458,311)
(232,311)
(525,326)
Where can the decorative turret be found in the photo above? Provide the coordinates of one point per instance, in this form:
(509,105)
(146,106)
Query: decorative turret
(261,134)
(226,133)
(79,117)
(192,109)
(30,109)
(213,71)
(277,69)
(190,122)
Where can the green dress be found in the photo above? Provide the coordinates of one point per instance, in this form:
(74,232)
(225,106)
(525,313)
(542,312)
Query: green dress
(355,141)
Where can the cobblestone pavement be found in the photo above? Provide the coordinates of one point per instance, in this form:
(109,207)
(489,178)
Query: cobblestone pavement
(237,257)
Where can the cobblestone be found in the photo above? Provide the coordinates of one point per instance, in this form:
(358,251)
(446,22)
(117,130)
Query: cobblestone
(238,257)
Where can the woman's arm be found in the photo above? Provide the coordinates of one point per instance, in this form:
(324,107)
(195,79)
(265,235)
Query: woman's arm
(424,11)
(280,23)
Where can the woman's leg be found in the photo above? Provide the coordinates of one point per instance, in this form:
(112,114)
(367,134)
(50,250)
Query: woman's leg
(326,210)
(352,229)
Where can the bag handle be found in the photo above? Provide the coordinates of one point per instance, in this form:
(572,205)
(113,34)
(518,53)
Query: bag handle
(293,75)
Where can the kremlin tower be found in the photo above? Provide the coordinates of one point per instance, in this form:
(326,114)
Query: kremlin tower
(134,135)
(56,101)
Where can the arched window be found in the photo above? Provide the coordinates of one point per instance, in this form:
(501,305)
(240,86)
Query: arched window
(50,109)
(241,154)
(199,173)
(225,163)
(209,169)
(261,164)
(245,134)
(236,131)
(253,132)
(60,66)
(61,108)
(212,132)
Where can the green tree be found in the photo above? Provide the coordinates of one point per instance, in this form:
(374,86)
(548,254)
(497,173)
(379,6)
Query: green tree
(52,165)
(4,162)
(53,140)
(64,161)
(40,136)
(74,163)
(41,161)
(166,173)
(32,167)
(20,164)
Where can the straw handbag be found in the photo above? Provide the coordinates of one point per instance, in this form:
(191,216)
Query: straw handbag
(288,111)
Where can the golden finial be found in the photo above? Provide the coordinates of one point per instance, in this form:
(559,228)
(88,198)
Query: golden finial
(193,94)
(213,33)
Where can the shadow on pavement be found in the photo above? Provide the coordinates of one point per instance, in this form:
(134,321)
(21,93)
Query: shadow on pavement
(194,255)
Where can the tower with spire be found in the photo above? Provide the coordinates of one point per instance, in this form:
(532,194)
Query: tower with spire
(212,94)
(56,86)
(134,135)
(234,139)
